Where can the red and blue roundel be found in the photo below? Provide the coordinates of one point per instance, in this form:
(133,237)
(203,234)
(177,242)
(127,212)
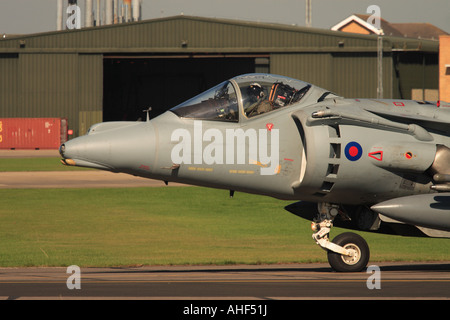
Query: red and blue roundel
(353,151)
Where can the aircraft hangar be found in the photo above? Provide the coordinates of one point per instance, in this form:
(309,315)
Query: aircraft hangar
(114,72)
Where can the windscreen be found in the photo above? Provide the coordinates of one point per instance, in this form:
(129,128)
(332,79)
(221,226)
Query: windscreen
(218,103)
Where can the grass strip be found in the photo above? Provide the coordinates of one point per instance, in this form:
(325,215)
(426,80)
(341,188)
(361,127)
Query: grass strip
(35,164)
(169,226)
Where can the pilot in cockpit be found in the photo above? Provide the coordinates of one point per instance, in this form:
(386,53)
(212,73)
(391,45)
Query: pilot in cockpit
(257,101)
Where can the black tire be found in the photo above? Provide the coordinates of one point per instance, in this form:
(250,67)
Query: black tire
(356,263)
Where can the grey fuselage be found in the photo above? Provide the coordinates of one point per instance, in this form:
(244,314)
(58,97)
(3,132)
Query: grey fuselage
(322,148)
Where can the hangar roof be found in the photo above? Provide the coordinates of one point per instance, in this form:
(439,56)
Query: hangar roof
(188,34)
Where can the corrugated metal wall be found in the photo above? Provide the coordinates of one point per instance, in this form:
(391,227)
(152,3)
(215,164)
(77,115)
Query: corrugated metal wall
(9,84)
(47,84)
(168,33)
(355,75)
(90,92)
(415,70)
(314,68)
(346,74)
(52,85)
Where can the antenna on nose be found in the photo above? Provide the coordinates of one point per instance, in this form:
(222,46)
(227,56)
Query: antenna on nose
(148,113)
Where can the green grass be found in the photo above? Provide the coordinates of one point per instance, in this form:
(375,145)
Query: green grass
(35,164)
(169,226)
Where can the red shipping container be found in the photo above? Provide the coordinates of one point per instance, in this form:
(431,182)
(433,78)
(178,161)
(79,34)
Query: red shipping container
(32,133)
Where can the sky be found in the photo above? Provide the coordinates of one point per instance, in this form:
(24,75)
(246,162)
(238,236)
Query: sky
(33,16)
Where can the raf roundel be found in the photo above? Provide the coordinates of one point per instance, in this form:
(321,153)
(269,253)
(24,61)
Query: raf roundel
(353,151)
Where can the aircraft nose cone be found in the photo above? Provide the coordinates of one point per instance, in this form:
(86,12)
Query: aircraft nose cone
(73,155)
(75,148)
(65,160)
(118,147)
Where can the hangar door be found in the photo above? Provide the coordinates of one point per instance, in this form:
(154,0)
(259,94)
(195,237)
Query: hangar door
(132,84)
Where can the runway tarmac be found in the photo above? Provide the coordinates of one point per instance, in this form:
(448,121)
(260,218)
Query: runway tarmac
(75,179)
(68,179)
(6,153)
(398,280)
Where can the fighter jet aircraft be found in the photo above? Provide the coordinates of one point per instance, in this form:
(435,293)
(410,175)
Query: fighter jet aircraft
(378,165)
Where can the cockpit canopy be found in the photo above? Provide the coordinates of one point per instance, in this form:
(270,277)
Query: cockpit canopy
(247,95)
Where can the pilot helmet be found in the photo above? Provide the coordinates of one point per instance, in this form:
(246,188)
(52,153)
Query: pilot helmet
(255,91)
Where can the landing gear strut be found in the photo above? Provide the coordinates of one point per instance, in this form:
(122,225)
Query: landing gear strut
(348,252)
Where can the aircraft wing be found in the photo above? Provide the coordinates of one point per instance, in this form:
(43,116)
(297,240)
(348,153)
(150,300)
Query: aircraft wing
(440,121)
(352,115)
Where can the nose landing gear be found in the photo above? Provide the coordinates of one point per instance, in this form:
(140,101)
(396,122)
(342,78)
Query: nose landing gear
(358,257)
(348,252)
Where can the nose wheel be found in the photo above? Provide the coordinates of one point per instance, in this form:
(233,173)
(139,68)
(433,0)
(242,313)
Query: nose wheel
(348,252)
(357,258)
